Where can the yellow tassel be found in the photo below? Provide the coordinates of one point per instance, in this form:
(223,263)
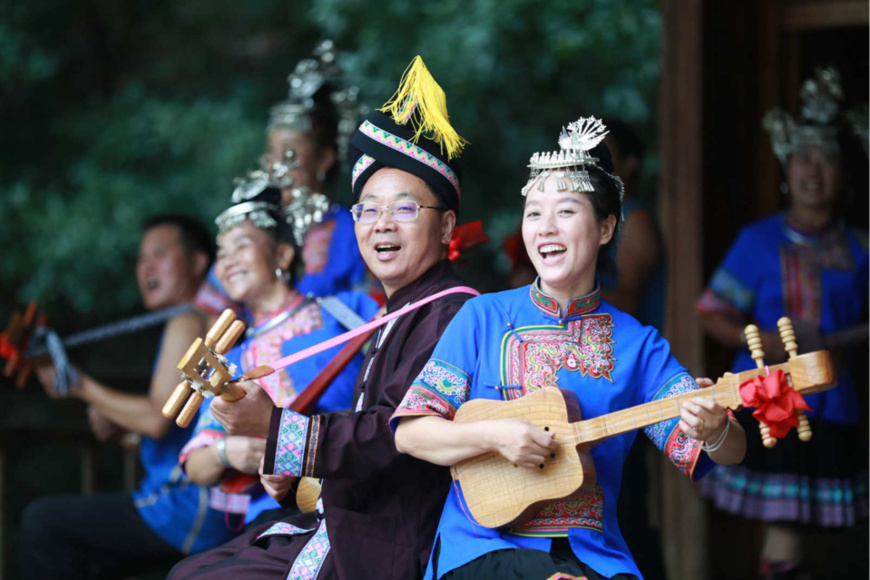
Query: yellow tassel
(420,100)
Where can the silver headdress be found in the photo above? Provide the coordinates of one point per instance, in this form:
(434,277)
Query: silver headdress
(569,164)
(256,211)
(309,76)
(305,209)
(817,124)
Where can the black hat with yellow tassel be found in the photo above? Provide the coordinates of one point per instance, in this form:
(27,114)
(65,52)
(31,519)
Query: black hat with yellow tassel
(411,132)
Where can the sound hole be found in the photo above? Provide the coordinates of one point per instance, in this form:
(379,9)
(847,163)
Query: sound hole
(546,428)
(541,466)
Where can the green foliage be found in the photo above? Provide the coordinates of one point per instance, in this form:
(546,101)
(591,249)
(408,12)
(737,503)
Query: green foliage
(515,72)
(115,111)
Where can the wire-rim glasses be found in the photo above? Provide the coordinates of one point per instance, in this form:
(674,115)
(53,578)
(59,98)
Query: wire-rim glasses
(401,211)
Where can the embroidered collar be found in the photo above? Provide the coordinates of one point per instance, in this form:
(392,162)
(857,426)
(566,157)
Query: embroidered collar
(292,300)
(810,239)
(577,306)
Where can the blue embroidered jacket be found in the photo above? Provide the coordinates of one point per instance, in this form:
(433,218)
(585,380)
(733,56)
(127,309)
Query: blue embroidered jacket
(819,280)
(504,345)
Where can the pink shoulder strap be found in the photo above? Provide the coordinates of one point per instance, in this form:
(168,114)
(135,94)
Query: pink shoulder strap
(342,338)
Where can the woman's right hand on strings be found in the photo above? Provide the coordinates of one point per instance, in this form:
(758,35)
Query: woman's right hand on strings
(521,442)
(246,453)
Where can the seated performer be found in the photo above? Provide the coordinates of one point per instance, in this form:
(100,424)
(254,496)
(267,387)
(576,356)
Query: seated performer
(378,509)
(117,534)
(304,141)
(257,263)
(557,332)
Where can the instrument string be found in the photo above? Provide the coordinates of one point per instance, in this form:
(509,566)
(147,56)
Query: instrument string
(627,419)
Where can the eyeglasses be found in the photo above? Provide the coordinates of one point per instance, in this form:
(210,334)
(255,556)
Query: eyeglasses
(401,211)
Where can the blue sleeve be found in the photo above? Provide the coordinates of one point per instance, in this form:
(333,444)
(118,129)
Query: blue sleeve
(734,285)
(662,377)
(343,267)
(361,303)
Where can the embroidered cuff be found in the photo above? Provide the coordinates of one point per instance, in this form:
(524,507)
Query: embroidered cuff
(439,390)
(285,447)
(418,402)
(710,303)
(727,291)
(292,442)
(681,450)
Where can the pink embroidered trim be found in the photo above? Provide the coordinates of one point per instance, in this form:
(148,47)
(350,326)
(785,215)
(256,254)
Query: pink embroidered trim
(292,436)
(284,529)
(359,168)
(584,510)
(309,562)
(406,148)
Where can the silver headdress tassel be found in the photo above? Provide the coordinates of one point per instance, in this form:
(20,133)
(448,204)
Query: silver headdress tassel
(309,76)
(569,164)
(306,208)
(817,124)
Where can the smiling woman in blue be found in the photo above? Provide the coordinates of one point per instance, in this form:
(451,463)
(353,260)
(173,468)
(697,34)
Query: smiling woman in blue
(558,332)
(257,263)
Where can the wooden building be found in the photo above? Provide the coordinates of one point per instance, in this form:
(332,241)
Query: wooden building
(724,64)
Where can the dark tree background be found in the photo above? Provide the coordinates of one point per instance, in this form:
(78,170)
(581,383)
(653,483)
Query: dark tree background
(111,111)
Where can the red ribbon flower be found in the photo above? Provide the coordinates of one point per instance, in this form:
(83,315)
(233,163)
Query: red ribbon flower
(465,237)
(774,400)
(7,349)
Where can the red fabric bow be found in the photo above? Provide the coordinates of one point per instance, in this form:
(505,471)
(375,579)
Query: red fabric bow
(6,348)
(465,237)
(774,400)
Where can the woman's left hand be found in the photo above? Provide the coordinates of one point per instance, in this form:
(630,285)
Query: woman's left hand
(277,486)
(702,418)
(245,454)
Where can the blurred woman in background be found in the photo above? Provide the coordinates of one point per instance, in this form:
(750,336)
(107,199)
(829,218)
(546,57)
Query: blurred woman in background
(305,142)
(803,263)
(257,263)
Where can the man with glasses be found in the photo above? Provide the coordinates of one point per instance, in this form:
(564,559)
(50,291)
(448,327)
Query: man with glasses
(378,510)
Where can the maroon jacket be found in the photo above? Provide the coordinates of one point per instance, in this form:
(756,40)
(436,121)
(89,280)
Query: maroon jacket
(380,508)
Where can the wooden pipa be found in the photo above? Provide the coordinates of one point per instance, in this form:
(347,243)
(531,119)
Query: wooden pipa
(500,495)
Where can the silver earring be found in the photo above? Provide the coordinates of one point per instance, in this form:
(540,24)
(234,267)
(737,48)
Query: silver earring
(279,273)
(321,175)
(783,188)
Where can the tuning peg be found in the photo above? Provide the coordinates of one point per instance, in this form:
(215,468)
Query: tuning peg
(753,341)
(786,333)
(766,439)
(179,396)
(805,432)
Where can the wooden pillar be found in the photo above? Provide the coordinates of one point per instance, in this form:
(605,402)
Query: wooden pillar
(684,531)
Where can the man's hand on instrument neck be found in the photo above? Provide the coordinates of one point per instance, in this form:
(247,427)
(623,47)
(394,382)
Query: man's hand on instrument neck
(248,416)
(102,427)
(47,375)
